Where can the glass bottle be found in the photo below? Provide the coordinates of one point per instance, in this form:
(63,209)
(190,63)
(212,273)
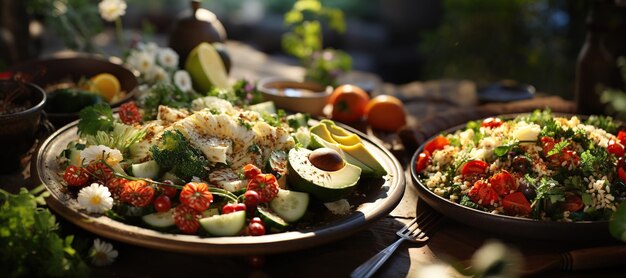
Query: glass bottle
(596,67)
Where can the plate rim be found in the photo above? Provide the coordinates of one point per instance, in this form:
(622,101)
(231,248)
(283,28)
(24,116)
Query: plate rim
(359,219)
(429,196)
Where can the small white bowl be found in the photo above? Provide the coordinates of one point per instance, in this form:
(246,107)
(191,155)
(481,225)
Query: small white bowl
(295,96)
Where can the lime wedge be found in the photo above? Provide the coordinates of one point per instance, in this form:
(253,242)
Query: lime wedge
(206,68)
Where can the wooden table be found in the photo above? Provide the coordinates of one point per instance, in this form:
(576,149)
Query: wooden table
(433,106)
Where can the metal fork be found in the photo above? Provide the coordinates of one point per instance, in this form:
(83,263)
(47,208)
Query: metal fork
(412,231)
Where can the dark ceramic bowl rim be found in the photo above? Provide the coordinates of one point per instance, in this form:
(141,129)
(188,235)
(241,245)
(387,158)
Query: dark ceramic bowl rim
(263,87)
(34,108)
(429,196)
(113,60)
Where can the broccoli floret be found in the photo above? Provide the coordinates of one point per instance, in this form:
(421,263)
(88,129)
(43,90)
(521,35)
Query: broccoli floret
(174,152)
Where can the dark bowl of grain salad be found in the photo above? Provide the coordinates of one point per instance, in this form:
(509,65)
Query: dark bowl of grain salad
(537,175)
(21,107)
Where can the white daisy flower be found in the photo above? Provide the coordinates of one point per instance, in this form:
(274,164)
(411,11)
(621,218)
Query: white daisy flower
(110,10)
(149,48)
(158,74)
(182,80)
(167,58)
(95,198)
(98,152)
(102,253)
(141,61)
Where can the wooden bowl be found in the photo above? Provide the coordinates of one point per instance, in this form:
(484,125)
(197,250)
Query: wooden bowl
(56,70)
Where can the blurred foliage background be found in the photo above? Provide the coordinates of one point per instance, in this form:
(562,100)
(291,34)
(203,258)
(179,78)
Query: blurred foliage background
(531,41)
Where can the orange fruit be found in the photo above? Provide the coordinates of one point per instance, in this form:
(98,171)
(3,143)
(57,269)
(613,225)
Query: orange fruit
(348,103)
(385,113)
(106,85)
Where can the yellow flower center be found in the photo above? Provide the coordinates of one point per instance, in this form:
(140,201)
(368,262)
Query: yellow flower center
(95,200)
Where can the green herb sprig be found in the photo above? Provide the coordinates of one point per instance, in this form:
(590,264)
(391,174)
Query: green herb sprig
(30,245)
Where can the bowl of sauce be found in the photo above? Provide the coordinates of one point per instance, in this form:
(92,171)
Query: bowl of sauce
(295,96)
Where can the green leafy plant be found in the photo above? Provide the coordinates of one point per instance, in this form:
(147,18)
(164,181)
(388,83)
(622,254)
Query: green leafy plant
(75,21)
(305,41)
(30,245)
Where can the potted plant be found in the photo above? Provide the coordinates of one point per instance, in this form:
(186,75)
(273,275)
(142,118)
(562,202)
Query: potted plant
(307,20)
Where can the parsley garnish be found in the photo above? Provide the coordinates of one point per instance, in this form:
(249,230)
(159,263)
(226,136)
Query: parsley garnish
(558,147)
(95,118)
(503,150)
(244,123)
(603,122)
(254,149)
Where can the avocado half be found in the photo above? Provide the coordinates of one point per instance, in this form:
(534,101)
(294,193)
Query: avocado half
(327,133)
(327,186)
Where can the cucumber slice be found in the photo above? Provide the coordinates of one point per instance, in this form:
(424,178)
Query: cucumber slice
(160,219)
(298,120)
(277,163)
(72,153)
(224,224)
(290,205)
(271,219)
(303,137)
(210,212)
(267,107)
(148,170)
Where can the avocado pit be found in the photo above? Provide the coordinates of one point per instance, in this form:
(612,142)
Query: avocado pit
(326,159)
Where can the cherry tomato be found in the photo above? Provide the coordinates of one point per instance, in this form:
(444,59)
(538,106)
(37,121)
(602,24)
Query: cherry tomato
(615,148)
(483,194)
(250,171)
(621,136)
(621,173)
(491,122)
(548,144)
(422,162)
(230,207)
(474,168)
(6,75)
(503,183)
(129,113)
(196,195)
(186,219)
(256,229)
(169,191)
(266,185)
(162,203)
(99,171)
(256,219)
(568,158)
(348,103)
(75,176)
(573,202)
(137,193)
(516,204)
(116,186)
(251,198)
(437,143)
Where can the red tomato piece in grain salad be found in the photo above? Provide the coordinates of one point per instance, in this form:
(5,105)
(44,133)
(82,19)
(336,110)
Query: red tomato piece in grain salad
(539,166)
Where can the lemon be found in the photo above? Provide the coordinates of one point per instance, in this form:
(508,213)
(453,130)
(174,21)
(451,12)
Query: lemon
(106,85)
(206,68)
